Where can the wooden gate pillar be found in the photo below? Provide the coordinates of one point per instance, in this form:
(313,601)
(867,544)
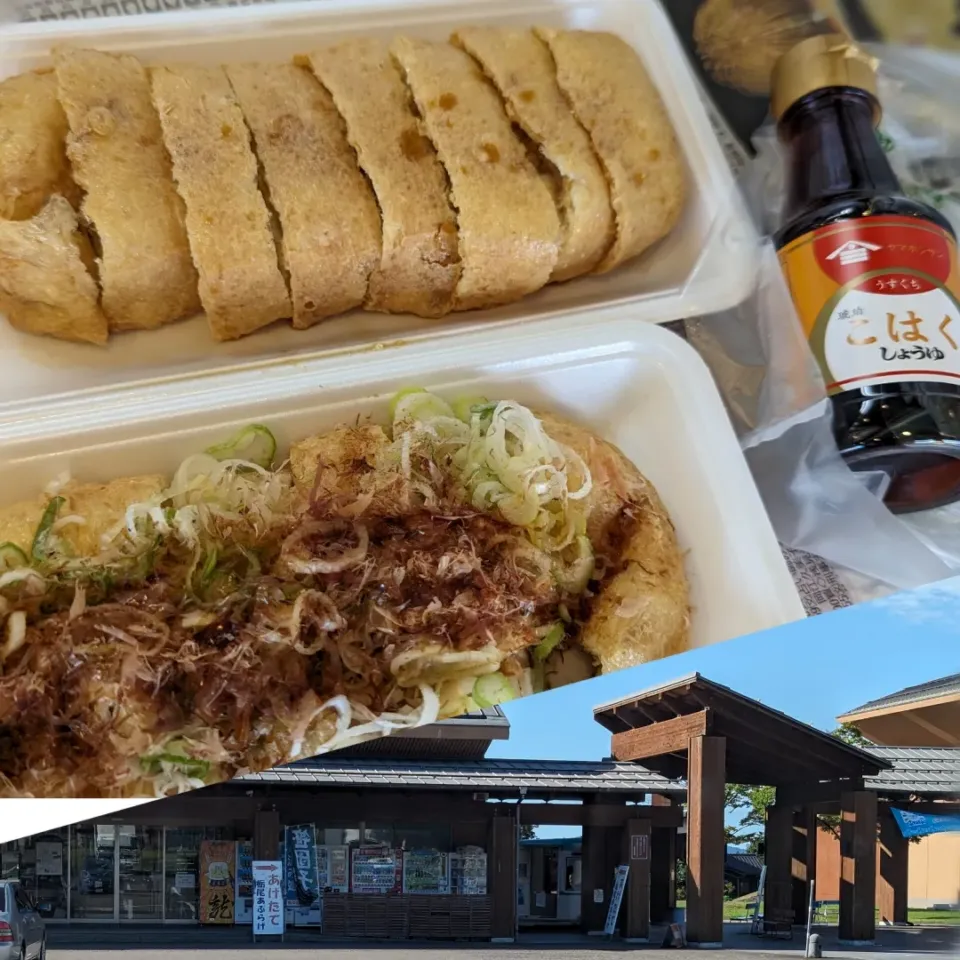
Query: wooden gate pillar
(706,779)
(894,856)
(858,866)
(502,876)
(803,861)
(635,911)
(777,854)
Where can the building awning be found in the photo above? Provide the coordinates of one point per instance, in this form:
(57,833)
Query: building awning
(926,715)
(763,745)
(542,779)
(925,772)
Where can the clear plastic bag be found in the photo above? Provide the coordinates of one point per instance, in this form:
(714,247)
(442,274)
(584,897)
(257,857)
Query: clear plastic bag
(771,383)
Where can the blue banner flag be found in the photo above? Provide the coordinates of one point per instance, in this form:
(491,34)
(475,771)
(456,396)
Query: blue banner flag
(914,824)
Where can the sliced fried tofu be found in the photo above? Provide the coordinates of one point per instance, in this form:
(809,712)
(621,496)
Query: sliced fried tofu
(328,215)
(147,278)
(614,98)
(520,66)
(229,224)
(33,150)
(420,265)
(642,613)
(45,285)
(101,506)
(508,224)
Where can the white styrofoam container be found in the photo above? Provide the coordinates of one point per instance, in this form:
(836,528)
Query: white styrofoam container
(706,264)
(634,383)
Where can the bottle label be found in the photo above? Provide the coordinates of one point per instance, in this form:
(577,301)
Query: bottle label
(879,299)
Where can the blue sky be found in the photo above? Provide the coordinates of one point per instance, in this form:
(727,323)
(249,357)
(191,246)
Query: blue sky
(813,670)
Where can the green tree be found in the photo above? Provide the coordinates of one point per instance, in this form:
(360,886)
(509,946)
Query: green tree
(751,803)
(527,831)
(848,733)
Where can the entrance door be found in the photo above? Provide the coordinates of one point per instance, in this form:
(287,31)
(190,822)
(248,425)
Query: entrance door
(93,872)
(139,873)
(544,875)
(116,872)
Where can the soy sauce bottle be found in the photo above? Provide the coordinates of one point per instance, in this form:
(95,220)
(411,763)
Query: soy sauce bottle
(874,277)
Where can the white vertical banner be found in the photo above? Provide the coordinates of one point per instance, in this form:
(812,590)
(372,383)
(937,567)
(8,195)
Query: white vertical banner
(267,898)
(616,898)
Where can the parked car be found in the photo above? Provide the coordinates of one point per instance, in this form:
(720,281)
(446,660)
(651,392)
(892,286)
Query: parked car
(23,935)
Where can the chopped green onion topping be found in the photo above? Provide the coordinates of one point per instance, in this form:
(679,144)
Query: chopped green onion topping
(12,557)
(254,443)
(209,566)
(41,539)
(491,689)
(398,396)
(190,766)
(416,405)
(546,646)
(463,407)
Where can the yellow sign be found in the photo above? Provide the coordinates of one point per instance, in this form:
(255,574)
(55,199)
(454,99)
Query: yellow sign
(218,860)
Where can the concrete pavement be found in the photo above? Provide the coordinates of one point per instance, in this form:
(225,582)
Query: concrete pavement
(203,943)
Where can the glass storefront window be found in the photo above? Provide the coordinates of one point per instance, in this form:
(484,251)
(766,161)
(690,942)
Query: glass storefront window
(181,881)
(92,851)
(40,864)
(141,873)
(338,836)
(410,837)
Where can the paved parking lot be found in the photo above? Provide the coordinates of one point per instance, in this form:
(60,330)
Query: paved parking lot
(169,943)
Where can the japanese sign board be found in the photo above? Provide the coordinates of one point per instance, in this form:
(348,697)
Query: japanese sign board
(267,897)
(616,898)
(640,846)
(243,894)
(301,880)
(217,870)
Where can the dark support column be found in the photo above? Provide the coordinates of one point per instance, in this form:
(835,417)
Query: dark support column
(592,877)
(894,856)
(777,850)
(502,873)
(266,835)
(663,867)
(706,778)
(635,910)
(804,861)
(858,866)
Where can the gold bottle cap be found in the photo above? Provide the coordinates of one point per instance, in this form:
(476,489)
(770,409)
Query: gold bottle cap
(831,60)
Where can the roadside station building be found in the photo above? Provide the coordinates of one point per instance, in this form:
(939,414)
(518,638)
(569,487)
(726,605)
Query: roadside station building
(418,836)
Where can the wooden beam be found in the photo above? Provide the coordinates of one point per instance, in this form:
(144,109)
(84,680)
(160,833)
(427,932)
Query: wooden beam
(756,729)
(706,778)
(801,794)
(668,736)
(892,880)
(858,867)
(597,814)
(778,753)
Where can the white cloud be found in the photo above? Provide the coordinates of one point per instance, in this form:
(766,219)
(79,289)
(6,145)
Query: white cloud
(936,603)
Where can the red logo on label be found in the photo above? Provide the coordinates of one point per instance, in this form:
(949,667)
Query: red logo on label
(892,250)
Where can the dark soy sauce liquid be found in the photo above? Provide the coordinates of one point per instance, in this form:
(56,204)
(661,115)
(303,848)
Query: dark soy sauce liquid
(839,171)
